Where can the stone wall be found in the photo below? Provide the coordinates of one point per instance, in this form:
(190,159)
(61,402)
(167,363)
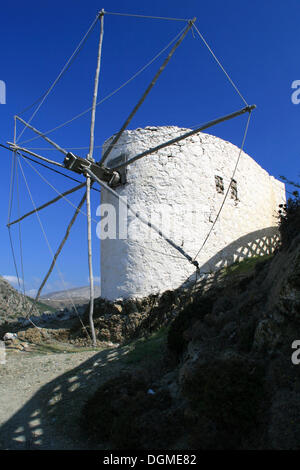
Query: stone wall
(181,189)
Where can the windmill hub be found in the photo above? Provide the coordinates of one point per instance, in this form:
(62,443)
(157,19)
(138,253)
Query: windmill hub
(80,165)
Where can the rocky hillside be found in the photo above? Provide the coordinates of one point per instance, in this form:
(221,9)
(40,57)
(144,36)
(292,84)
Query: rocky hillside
(222,370)
(228,380)
(13,304)
(64,298)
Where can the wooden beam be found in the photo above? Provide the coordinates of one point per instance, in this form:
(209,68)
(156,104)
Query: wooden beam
(186,135)
(151,85)
(144,221)
(43,206)
(58,251)
(60,149)
(17,147)
(89,182)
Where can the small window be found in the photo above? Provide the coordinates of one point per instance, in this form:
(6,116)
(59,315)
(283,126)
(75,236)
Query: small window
(219,184)
(233,188)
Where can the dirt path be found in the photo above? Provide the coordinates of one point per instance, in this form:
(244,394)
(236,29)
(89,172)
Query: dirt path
(41,396)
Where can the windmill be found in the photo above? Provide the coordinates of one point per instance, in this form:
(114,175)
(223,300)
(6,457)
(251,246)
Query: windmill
(109,177)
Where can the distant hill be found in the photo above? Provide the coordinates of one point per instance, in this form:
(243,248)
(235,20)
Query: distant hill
(14,305)
(61,299)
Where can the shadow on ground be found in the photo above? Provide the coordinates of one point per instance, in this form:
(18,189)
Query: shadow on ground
(50,419)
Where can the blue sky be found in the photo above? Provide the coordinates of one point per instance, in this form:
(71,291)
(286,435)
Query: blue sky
(256,41)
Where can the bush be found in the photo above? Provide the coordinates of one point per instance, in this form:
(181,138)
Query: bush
(124,413)
(289,220)
(225,397)
(193,312)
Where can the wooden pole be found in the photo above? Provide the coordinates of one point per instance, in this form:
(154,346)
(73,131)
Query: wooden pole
(60,149)
(248,109)
(70,191)
(96,85)
(15,147)
(90,259)
(141,218)
(154,80)
(72,221)
(88,181)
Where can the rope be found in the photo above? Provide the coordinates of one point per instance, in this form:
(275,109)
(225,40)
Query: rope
(56,190)
(20,240)
(95,189)
(220,65)
(228,189)
(113,92)
(58,251)
(50,250)
(64,69)
(144,221)
(46,166)
(146,92)
(14,257)
(118,145)
(190,133)
(60,149)
(56,171)
(10,202)
(47,204)
(14,172)
(149,17)
(12,177)
(33,154)
(21,259)
(12,182)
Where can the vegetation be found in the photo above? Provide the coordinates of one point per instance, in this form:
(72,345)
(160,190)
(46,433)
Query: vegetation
(233,383)
(289,215)
(228,394)
(151,348)
(245,266)
(40,306)
(123,412)
(177,342)
(289,220)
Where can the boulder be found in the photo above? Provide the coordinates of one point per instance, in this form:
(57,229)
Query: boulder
(10,337)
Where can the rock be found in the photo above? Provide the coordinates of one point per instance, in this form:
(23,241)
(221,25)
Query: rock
(9,336)
(267,334)
(118,307)
(112,345)
(33,335)
(130,306)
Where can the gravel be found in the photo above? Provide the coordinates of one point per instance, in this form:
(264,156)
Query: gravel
(41,396)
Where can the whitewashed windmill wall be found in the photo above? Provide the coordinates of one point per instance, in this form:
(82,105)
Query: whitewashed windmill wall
(183,183)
